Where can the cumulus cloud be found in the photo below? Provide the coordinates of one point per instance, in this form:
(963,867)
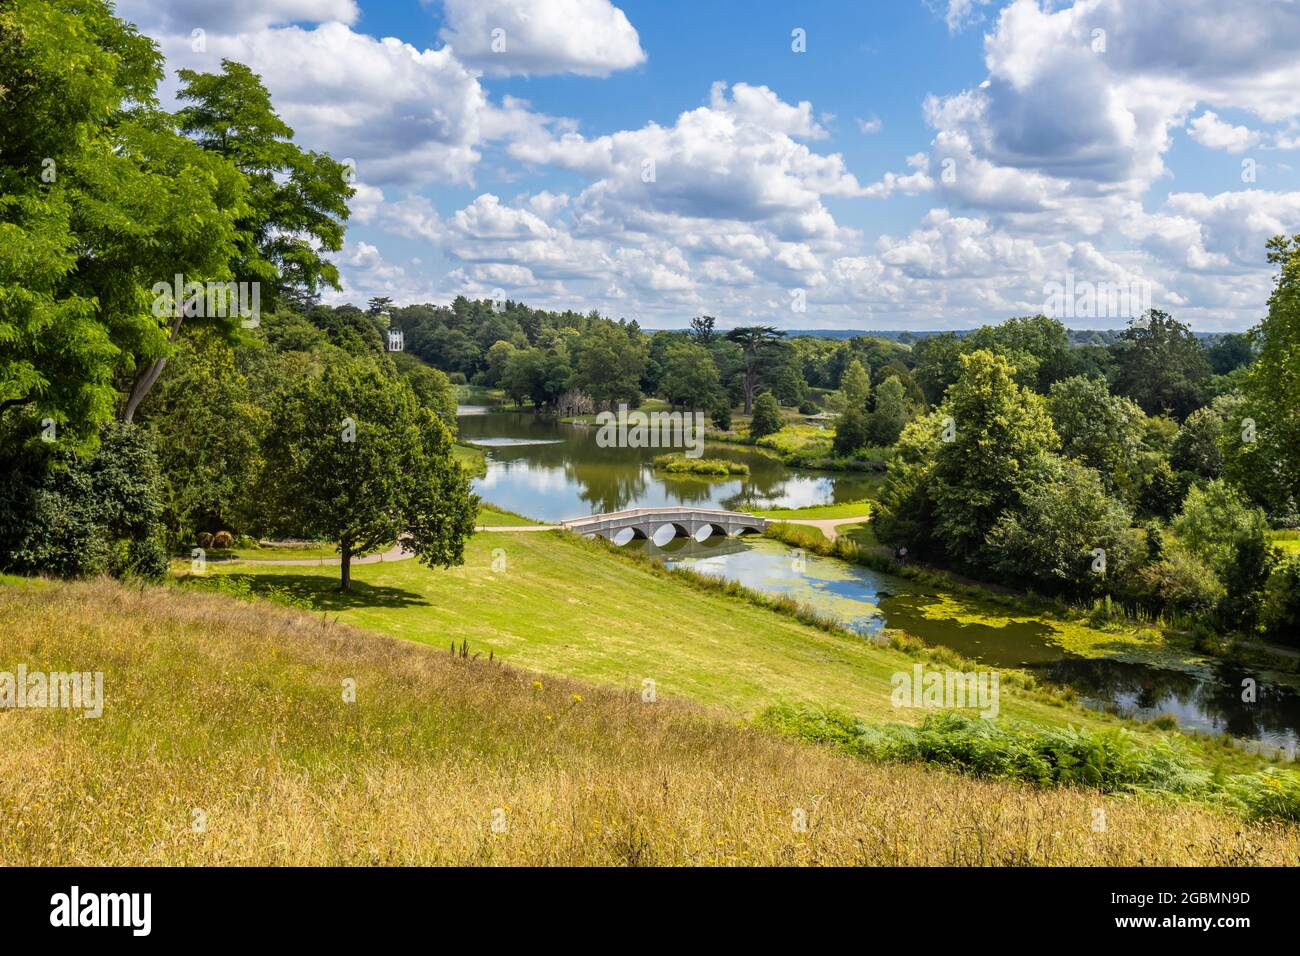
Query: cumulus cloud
(591,37)
(1213,133)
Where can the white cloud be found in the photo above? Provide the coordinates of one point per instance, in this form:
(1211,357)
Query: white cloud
(870,126)
(1213,133)
(591,37)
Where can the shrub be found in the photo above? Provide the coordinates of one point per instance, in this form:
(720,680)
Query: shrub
(223,540)
(722,417)
(204,539)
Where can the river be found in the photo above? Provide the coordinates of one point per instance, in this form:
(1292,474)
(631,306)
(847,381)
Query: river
(550,471)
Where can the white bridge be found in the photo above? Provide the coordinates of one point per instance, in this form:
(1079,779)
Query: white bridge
(697,523)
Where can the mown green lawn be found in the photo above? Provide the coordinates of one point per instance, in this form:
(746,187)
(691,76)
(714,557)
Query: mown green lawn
(493,517)
(564,606)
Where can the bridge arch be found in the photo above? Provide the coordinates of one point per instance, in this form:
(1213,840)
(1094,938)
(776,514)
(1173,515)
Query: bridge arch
(697,523)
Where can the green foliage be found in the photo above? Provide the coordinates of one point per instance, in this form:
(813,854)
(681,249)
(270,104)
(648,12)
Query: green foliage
(352,458)
(100,198)
(74,517)
(1100,430)
(1110,761)
(721,415)
(611,359)
(1269,465)
(894,409)
(689,376)
(767,416)
(707,467)
(207,431)
(1280,617)
(1050,539)
(851,432)
(1214,519)
(1002,435)
(297,199)
(757,349)
(1161,365)
(1038,348)
(856,385)
(1161,492)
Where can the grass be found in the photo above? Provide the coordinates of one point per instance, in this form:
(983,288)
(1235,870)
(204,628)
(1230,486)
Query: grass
(1287,541)
(232,714)
(489,515)
(565,606)
(844,509)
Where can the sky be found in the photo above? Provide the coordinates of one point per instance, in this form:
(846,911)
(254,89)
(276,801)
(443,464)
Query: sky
(848,164)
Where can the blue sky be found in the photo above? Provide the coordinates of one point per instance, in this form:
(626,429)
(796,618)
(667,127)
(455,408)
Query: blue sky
(919,164)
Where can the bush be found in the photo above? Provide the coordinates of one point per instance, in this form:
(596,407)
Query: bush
(1178,582)
(204,539)
(74,517)
(722,417)
(223,540)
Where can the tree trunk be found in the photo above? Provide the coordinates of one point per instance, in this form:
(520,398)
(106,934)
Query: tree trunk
(751,383)
(345,565)
(146,377)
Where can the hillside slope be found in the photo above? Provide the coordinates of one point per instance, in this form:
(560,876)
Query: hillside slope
(231,714)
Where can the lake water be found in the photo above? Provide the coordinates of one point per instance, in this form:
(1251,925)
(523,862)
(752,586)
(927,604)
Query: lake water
(549,471)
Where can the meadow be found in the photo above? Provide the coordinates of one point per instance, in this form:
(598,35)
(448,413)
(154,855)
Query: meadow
(227,738)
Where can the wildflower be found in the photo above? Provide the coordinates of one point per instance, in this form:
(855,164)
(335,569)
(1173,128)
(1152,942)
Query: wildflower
(577,698)
(537,684)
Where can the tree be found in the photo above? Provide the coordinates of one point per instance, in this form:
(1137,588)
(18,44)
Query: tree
(76,516)
(207,431)
(432,388)
(1066,535)
(1197,448)
(702,331)
(689,376)
(767,416)
(938,364)
(1265,452)
(378,305)
(893,411)
(497,357)
(610,362)
(1101,430)
(1214,519)
(1161,365)
(1233,351)
(298,199)
(351,458)
(850,431)
(755,342)
(100,199)
(856,385)
(1001,435)
(1039,348)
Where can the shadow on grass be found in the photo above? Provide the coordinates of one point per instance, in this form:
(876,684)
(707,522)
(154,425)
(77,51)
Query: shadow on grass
(323,594)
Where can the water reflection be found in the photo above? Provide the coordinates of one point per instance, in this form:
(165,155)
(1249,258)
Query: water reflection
(539,467)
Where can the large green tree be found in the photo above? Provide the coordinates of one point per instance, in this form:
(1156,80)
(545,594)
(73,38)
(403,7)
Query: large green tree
(1000,435)
(297,202)
(1161,365)
(100,199)
(689,376)
(756,342)
(352,458)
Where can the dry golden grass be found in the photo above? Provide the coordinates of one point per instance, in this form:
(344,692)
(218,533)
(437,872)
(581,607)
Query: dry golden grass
(236,709)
